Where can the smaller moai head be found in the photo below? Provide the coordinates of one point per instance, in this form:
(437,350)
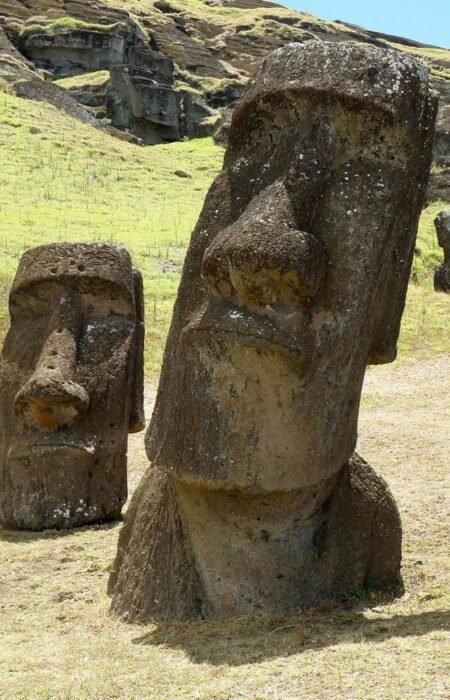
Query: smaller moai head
(71,373)
(442,274)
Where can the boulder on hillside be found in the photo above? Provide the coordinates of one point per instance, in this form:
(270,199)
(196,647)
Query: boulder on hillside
(90,90)
(198,119)
(13,66)
(144,101)
(441,145)
(439,183)
(45,91)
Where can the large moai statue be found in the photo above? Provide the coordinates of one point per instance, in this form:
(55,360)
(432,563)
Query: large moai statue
(442,274)
(71,375)
(294,281)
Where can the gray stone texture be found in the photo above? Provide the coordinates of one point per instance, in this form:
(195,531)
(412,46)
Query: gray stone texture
(68,51)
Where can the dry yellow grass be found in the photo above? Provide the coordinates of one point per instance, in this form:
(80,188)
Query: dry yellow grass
(58,640)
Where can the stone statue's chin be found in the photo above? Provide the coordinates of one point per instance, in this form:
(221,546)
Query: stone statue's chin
(256,398)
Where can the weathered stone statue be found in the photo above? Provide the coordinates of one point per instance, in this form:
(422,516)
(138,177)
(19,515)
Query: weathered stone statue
(442,274)
(71,377)
(294,281)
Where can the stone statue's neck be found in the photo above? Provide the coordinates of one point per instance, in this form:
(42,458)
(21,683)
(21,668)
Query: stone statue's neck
(237,539)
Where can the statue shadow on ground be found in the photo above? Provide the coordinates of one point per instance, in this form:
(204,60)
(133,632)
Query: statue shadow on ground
(27,536)
(252,640)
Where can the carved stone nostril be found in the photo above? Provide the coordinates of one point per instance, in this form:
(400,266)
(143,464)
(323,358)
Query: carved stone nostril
(44,417)
(50,401)
(215,272)
(50,416)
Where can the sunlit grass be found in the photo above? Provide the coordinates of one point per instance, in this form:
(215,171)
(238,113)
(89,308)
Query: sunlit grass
(99,77)
(67,22)
(63,181)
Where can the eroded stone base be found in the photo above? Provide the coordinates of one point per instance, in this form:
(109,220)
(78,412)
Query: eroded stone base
(185,552)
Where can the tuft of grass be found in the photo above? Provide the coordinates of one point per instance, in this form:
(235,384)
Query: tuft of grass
(425,329)
(65,23)
(99,77)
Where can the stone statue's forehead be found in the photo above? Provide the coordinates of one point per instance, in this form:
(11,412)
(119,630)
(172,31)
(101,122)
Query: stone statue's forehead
(384,79)
(84,262)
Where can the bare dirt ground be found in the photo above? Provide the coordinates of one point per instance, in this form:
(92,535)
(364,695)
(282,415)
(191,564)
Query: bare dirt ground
(57,639)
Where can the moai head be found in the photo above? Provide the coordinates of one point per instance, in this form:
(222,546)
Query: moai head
(294,281)
(442,274)
(296,276)
(72,385)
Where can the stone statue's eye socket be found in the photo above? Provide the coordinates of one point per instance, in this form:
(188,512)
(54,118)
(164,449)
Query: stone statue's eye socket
(24,305)
(106,306)
(102,337)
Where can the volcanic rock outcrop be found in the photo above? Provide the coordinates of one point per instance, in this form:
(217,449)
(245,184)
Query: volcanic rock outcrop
(294,281)
(71,373)
(212,45)
(442,274)
(70,50)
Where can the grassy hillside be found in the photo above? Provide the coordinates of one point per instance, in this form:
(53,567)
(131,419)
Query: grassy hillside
(62,180)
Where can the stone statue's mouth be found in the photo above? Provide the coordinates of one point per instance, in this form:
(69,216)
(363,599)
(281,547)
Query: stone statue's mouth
(243,326)
(21,450)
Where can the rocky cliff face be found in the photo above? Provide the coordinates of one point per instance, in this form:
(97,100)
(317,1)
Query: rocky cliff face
(176,68)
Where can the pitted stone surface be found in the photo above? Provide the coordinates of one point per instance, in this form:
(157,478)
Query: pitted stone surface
(71,373)
(294,281)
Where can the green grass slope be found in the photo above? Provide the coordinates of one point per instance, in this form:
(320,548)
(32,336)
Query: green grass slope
(61,180)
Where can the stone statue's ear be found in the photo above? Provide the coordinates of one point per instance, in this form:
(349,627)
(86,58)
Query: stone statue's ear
(137,416)
(389,301)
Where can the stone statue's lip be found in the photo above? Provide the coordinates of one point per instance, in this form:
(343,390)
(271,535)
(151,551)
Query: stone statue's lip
(249,328)
(28,449)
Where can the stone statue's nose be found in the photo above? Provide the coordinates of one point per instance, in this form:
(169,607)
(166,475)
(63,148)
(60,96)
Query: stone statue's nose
(262,259)
(50,398)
